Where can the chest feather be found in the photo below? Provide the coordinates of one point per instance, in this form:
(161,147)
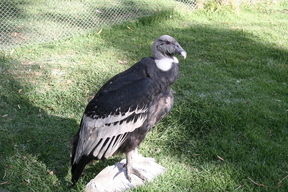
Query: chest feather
(165,64)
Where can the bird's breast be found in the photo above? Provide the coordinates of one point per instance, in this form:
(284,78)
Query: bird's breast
(160,108)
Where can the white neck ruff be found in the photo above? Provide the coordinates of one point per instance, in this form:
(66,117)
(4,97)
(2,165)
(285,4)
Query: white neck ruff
(165,64)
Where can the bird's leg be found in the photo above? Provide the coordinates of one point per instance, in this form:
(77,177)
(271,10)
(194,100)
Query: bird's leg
(130,159)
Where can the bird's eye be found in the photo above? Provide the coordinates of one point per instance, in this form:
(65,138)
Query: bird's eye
(167,42)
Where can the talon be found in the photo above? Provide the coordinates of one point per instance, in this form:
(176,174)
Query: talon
(132,170)
(128,178)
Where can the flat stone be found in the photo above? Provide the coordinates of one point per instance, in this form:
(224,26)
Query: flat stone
(113,178)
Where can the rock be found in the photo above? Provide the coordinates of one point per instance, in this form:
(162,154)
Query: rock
(113,178)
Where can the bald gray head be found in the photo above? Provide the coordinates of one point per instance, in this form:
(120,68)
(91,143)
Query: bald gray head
(166,46)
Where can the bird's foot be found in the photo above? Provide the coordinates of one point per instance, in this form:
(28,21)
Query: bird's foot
(131,170)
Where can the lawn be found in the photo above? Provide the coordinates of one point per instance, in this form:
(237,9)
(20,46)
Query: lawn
(228,130)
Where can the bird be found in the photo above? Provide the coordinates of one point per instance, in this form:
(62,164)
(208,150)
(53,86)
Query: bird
(126,108)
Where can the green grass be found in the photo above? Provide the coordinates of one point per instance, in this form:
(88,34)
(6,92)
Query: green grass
(229,125)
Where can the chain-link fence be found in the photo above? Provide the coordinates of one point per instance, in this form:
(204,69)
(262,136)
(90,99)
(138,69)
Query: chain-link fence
(35,21)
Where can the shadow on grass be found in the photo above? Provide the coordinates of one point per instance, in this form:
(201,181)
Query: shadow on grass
(34,145)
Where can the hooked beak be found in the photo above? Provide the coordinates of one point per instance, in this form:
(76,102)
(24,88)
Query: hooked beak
(183,53)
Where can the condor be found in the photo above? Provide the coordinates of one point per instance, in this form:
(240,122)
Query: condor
(126,108)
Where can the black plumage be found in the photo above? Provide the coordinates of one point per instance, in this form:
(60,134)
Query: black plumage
(126,108)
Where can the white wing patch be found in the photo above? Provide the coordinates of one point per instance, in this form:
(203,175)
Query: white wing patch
(105,135)
(166,63)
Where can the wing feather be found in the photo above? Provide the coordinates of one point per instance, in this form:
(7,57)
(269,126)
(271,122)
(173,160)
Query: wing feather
(119,107)
(115,145)
(99,135)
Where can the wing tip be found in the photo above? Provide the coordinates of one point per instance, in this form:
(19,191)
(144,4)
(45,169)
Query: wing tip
(78,168)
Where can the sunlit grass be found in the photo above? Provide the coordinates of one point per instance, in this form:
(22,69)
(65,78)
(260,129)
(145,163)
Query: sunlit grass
(228,127)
